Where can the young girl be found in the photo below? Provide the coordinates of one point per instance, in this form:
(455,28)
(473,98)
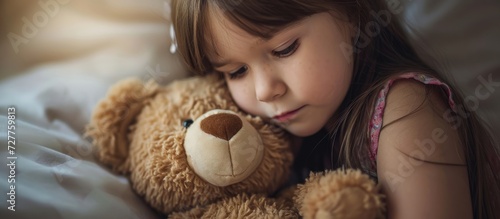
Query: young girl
(343,74)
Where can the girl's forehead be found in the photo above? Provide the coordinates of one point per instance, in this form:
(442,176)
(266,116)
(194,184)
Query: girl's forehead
(219,24)
(223,34)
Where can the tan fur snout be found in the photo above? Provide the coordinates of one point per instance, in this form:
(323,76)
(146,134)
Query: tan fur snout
(223,148)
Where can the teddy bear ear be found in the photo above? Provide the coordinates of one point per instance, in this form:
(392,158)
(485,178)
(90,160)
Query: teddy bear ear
(111,120)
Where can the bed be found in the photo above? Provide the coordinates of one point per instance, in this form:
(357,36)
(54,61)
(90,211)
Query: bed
(60,57)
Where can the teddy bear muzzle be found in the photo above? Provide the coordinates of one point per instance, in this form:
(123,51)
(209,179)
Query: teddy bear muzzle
(223,148)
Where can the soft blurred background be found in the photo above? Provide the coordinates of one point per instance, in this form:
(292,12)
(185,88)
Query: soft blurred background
(58,58)
(105,38)
(464,39)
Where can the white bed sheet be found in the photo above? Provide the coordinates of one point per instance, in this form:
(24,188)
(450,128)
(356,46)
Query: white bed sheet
(54,81)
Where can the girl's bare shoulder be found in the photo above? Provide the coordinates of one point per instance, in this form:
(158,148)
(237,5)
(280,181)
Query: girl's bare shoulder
(415,115)
(420,160)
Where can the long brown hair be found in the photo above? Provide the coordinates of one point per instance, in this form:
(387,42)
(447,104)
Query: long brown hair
(378,55)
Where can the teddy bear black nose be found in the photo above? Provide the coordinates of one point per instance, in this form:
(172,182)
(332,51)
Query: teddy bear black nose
(222,125)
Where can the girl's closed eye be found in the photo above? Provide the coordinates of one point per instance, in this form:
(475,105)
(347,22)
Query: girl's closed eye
(238,73)
(288,51)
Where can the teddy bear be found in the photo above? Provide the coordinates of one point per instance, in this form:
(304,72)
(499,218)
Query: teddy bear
(190,152)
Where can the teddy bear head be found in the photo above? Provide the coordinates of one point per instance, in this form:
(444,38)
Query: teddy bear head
(187,144)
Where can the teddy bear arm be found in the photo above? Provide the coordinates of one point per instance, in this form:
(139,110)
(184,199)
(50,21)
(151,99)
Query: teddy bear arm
(339,194)
(243,206)
(196,212)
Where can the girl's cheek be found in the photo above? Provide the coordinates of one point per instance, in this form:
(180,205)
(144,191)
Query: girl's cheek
(241,95)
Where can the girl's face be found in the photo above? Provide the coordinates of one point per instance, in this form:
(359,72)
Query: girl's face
(298,78)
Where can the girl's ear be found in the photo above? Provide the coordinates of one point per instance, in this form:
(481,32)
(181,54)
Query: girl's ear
(110,124)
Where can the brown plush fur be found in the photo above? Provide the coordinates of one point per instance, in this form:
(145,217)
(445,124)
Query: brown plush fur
(340,194)
(137,130)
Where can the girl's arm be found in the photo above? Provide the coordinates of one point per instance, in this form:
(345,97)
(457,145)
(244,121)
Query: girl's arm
(420,161)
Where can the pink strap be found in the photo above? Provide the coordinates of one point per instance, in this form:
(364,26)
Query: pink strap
(376,122)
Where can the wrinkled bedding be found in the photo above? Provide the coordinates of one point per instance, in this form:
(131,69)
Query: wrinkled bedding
(56,75)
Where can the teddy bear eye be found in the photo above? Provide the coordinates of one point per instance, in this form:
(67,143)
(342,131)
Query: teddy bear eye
(187,122)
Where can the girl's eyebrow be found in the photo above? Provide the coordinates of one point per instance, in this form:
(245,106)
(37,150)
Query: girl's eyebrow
(224,62)
(220,64)
(289,27)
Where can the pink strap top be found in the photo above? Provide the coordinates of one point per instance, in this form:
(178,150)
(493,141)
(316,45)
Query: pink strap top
(376,122)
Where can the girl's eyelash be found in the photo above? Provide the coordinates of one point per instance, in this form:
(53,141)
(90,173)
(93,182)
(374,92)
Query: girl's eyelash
(280,54)
(287,51)
(238,73)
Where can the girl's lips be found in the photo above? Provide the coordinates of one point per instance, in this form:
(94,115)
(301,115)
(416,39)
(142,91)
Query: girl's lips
(287,115)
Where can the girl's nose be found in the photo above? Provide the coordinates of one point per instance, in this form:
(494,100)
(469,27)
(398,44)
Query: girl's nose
(269,87)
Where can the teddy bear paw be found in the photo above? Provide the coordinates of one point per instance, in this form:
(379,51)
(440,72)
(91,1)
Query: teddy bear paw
(340,194)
